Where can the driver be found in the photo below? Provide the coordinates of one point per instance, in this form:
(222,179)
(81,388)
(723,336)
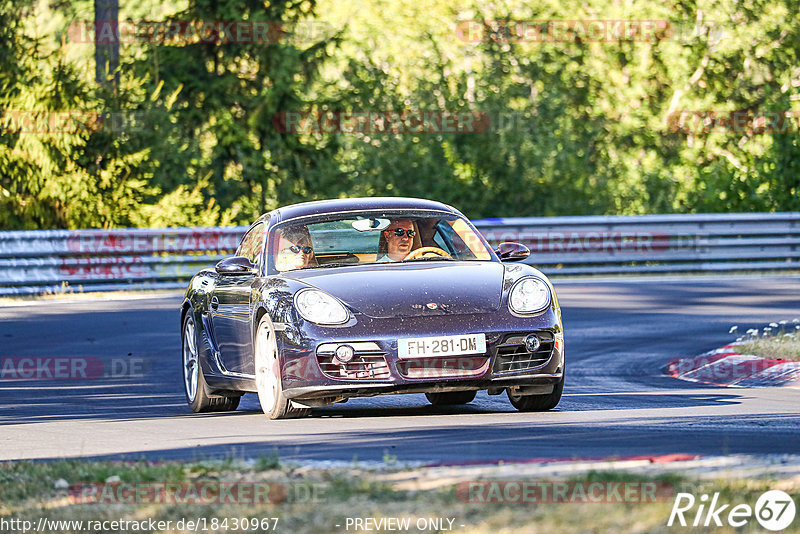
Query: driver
(399,238)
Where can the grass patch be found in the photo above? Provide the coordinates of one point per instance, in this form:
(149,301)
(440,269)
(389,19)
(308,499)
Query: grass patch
(778,341)
(776,348)
(267,463)
(317,500)
(674,479)
(20,481)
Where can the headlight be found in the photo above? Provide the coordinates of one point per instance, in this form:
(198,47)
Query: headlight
(319,307)
(529,295)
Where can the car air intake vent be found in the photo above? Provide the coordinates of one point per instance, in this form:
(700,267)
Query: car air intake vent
(446,367)
(368,363)
(512,356)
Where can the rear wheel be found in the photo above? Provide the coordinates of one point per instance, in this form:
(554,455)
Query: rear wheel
(268,376)
(537,403)
(194,383)
(451,397)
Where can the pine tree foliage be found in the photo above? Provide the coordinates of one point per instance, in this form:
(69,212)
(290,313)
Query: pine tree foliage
(192,135)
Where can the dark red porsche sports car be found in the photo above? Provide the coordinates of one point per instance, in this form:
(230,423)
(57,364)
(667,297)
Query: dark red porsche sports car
(359,297)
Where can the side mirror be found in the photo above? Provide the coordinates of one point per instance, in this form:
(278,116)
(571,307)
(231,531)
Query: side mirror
(509,251)
(237,265)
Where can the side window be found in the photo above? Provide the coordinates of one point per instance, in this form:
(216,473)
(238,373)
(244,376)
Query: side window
(251,245)
(439,240)
(465,242)
(444,237)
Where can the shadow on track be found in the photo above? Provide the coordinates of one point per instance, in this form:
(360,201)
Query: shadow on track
(505,441)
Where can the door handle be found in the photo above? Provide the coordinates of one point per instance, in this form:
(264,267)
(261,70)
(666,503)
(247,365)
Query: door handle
(214,303)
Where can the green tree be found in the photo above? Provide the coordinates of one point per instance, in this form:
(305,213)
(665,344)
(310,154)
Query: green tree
(226,95)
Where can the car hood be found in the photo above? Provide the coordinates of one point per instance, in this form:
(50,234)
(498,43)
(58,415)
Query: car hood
(412,289)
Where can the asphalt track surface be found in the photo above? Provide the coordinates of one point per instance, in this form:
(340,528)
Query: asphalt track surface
(617,401)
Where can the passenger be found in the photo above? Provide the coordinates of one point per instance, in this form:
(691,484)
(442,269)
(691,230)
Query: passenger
(295,250)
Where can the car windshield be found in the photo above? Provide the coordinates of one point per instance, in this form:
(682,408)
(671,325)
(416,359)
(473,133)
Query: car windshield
(384,237)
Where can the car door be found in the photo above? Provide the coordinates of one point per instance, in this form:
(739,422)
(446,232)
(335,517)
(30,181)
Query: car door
(231,307)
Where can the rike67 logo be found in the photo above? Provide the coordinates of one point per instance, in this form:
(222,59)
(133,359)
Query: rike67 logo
(774,510)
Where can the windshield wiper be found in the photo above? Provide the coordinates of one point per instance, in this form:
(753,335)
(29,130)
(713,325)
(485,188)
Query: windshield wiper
(430,258)
(333,264)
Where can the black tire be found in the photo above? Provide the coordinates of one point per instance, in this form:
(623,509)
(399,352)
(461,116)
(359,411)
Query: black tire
(537,403)
(451,397)
(194,386)
(268,375)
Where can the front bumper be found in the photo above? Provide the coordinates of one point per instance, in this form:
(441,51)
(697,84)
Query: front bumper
(304,378)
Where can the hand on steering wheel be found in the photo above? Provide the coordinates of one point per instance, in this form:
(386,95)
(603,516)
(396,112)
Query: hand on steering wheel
(425,250)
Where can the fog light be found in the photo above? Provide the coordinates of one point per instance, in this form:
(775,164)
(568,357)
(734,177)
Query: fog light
(532,343)
(344,353)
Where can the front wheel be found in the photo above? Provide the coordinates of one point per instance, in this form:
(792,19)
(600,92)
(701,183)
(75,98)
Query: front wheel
(268,376)
(537,403)
(194,383)
(451,397)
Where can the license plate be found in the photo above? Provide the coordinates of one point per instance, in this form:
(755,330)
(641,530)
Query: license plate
(417,347)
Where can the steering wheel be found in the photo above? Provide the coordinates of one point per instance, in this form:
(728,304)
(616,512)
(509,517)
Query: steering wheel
(426,250)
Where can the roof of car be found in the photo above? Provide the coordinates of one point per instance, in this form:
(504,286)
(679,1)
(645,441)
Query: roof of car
(359,204)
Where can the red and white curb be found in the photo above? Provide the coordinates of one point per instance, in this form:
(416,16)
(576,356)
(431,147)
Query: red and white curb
(726,367)
(704,467)
(646,459)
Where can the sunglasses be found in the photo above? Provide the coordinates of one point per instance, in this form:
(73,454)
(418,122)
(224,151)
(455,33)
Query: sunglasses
(298,249)
(400,232)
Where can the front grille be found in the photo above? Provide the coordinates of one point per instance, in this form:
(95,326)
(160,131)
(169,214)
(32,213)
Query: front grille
(446,367)
(369,362)
(512,356)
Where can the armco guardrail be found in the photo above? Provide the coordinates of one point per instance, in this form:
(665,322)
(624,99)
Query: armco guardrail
(89,260)
(94,260)
(654,243)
